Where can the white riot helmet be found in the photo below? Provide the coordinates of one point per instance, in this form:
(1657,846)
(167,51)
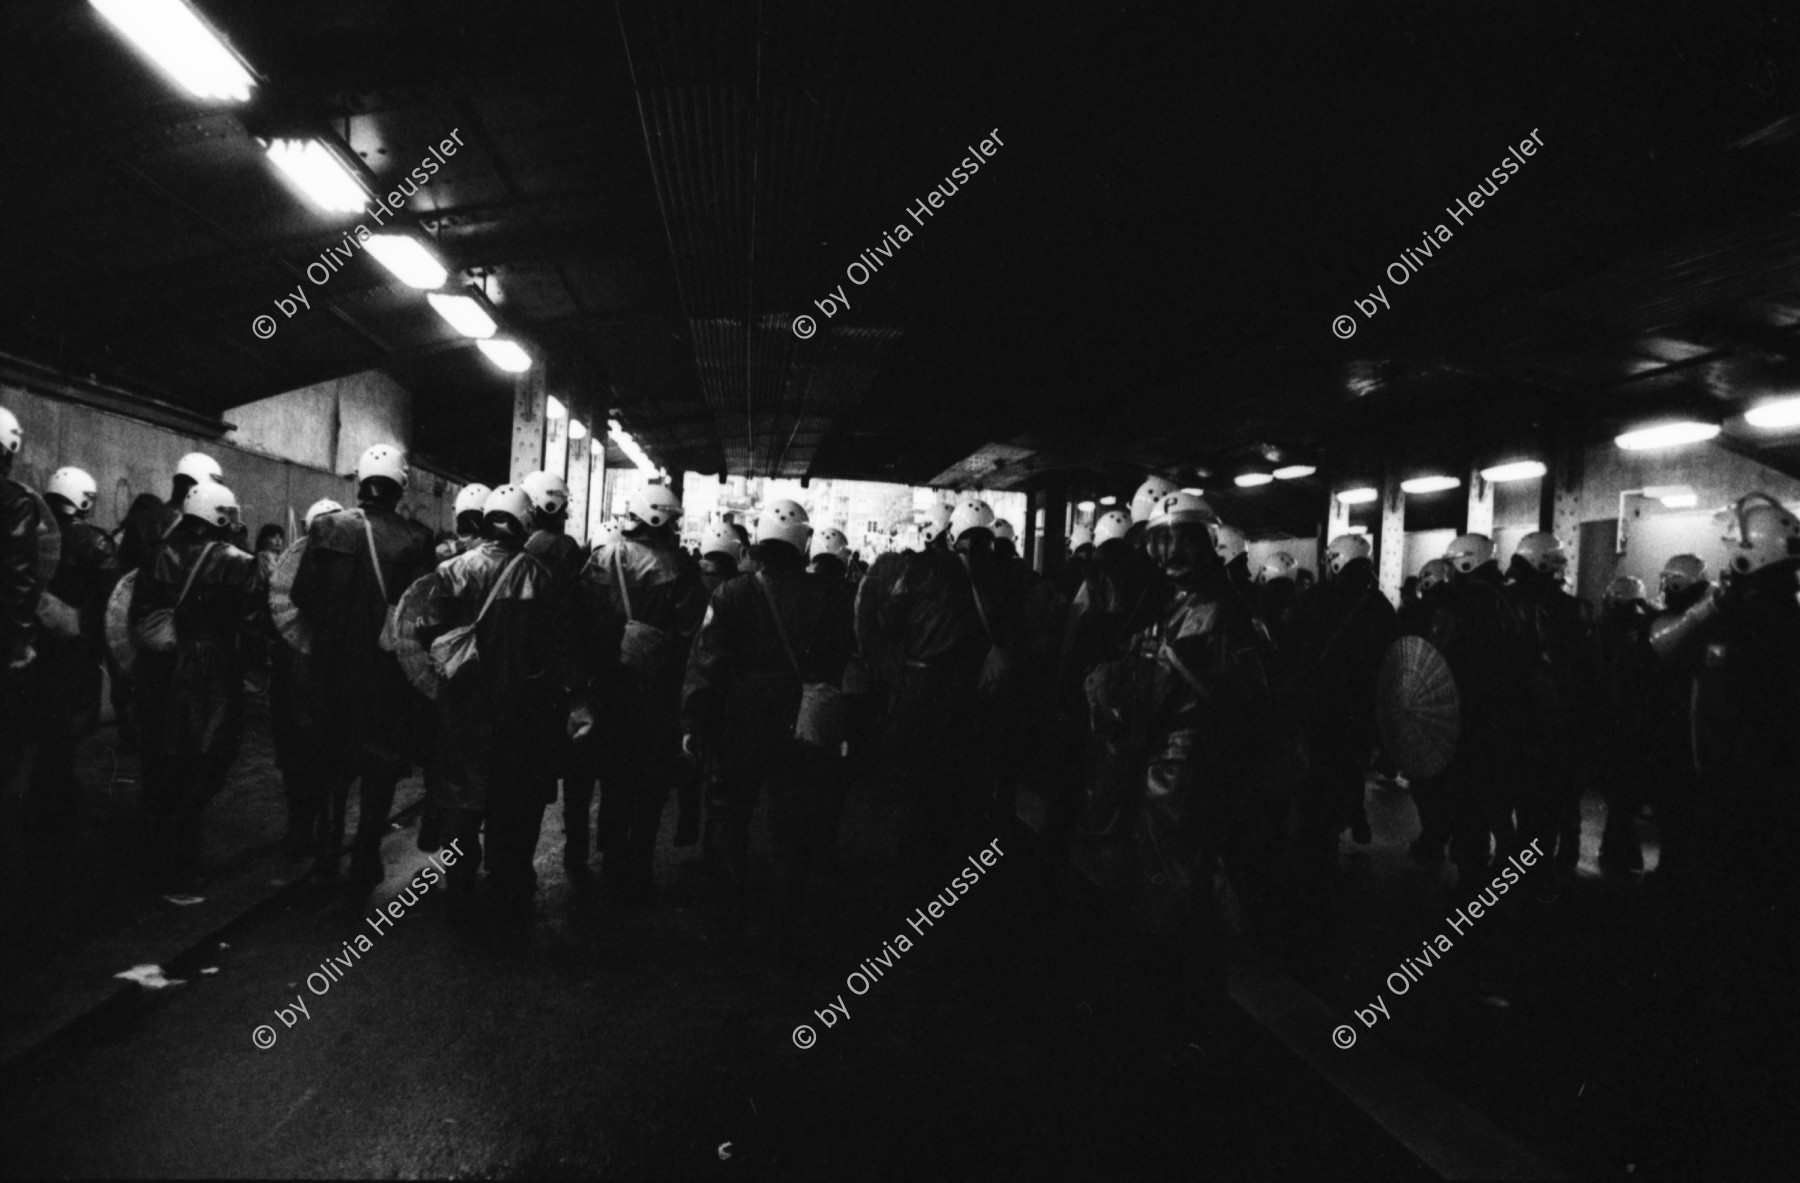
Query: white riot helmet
(549,493)
(1149,495)
(1680,573)
(74,486)
(1468,552)
(971,515)
(1544,551)
(1178,508)
(1344,550)
(12,436)
(720,538)
(199,468)
(783,521)
(654,505)
(1004,529)
(1280,565)
(607,534)
(1114,523)
(212,503)
(1229,541)
(1761,533)
(383,460)
(1079,537)
(512,501)
(940,521)
(1432,574)
(319,509)
(472,497)
(1624,589)
(831,541)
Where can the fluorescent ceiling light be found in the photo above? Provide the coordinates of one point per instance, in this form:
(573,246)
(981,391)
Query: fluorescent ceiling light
(1783,412)
(577,429)
(1357,496)
(1109,501)
(506,354)
(1294,472)
(1667,435)
(1195,492)
(1249,480)
(630,447)
(1430,484)
(463,313)
(408,259)
(1681,500)
(179,41)
(1517,470)
(554,409)
(321,177)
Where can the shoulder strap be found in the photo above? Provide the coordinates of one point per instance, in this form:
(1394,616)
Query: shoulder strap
(495,590)
(194,572)
(976,592)
(1187,675)
(374,556)
(780,631)
(624,588)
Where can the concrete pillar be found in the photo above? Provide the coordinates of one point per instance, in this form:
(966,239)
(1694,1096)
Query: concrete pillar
(1032,528)
(580,462)
(1056,528)
(1481,503)
(556,442)
(1559,509)
(597,511)
(1337,514)
(1392,566)
(528,424)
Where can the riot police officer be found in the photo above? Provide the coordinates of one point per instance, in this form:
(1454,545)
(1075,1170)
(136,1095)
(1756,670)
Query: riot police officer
(21,584)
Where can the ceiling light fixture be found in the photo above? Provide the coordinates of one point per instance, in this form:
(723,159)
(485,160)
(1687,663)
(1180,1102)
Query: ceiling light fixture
(1250,480)
(1085,506)
(1516,470)
(1294,472)
(408,259)
(1782,412)
(177,40)
(554,409)
(506,354)
(596,448)
(321,178)
(1667,435)
(463,313)
(1109,501)
(1194,492)
(577,429)
(1430,484)
(630,447)
(1357,496)
(1680,500)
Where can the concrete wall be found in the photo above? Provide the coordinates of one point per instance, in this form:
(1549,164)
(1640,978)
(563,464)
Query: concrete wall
(127,457)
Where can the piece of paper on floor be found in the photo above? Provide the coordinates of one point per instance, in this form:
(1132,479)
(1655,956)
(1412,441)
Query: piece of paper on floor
(148,976)
(185,900)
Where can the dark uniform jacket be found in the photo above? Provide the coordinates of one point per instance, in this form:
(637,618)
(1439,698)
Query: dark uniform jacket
(1482,639)
(83,579)
(498,719)
(191,701)
(742,692)
(880,652)
(1340,632)
(664,594)
(931,613)
(20,584)
(357,693)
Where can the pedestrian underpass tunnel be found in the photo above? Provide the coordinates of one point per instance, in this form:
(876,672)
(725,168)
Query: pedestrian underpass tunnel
(650,492)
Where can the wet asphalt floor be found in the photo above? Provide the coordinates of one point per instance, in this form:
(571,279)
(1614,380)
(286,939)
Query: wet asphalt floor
(629,1042)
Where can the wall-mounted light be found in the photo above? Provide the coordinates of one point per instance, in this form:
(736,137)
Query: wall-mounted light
(1194,492)
(321,178)
(1516,470)
(554,409)
(596,448)
(577,430)
(1294,472)
(408,259)
(1109,501)
(1085,506)
(1357,496)
(1667,435)
(1250,480)
(506,354)
(177,40)
(463,313)
(1781,412)
(1430,484)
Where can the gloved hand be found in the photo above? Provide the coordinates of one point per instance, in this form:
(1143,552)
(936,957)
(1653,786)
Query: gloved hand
(581,721)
